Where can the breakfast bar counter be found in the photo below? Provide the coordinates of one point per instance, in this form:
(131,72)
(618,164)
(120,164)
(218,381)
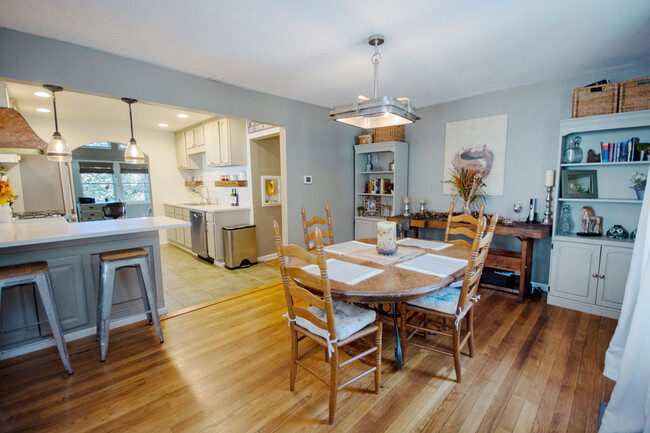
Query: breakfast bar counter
(72,253)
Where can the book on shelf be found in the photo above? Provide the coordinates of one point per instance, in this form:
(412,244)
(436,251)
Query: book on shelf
(623,151)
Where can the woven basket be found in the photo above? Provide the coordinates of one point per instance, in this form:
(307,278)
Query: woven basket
(595,100)
(389,133)
(635,95)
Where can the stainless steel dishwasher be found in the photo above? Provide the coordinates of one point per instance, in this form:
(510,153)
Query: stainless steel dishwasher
(199,235)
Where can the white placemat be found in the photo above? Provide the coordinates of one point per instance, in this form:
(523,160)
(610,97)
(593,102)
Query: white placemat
(423,243)
(402,254)
(344,272)
(347,247)
(432,264)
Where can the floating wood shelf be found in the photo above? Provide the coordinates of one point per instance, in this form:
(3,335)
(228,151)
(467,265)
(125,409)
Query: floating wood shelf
(193,183)
(231,183)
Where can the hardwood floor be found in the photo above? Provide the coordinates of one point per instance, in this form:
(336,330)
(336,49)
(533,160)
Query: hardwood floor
(225,367)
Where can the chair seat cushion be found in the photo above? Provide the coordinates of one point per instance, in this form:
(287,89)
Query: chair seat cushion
(444,301)
(347,317)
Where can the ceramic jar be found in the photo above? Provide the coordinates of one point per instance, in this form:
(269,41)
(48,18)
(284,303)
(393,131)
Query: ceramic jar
(387,237)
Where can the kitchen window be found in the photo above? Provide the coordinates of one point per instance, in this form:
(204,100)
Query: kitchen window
(135,182)
(98,180)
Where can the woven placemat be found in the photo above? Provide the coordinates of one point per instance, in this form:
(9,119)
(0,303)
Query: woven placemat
(402,254)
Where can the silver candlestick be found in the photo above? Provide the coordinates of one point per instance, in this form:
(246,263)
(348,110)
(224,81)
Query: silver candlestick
(547,212)
(406,209)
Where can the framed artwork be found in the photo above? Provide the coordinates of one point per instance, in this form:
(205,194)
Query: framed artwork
(579,184)
(477,144)
(371,205)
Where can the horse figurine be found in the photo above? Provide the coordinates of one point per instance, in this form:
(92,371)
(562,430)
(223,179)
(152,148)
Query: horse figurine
(590,222)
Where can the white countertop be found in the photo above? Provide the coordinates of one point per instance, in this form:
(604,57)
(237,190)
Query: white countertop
(208,207)
(38,231)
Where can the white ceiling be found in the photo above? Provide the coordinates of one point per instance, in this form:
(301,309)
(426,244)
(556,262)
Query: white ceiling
(100,109)
(317,52)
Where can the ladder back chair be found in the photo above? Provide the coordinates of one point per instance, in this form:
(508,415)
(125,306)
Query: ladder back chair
(452,304)
(307,224)
(462,231)
(330,324)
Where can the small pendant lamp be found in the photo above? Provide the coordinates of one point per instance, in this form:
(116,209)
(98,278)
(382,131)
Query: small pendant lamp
(57,149)
(133,153)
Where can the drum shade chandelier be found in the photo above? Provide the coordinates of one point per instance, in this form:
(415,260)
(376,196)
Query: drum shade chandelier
(133,153)
(57,149)
(377,112)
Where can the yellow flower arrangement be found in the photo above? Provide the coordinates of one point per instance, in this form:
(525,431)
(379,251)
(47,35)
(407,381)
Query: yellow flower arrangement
(6,193)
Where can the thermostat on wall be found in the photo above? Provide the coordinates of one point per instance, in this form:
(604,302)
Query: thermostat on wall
(308,180)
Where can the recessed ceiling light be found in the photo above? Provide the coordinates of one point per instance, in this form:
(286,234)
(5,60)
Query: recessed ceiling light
(42,94)
(215,78)
(163,125)
(43,110)
(183,116)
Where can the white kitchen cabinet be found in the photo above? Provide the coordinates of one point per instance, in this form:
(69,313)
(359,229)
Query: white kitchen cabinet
(365,227)
(180,231)
(189,139)
(171,233)
(198,140)
(187,233)
(590,277)
(183,160)
(225,142)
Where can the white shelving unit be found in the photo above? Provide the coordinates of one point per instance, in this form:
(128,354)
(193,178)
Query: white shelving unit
(589,273)
(382,155)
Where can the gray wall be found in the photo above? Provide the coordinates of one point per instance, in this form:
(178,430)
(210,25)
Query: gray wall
(534,114)
(316,145)
(265,161)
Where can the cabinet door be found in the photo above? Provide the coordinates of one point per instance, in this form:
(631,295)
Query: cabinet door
(212,152)
(614,267)
(181,151)
(212,251)
(171,233)
(187,234)
(224,142)
(199,136)
(365,229)
(69,294)
(574,271)
(180,232)
(189,139)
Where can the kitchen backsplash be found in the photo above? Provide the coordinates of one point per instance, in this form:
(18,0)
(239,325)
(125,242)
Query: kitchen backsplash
(219,195)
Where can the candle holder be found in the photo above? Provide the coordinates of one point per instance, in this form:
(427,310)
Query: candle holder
(547,212)
(422,206)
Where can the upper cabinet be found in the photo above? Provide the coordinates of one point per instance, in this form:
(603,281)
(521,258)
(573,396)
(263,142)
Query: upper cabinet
(183,160)
(225,142)
(195,140)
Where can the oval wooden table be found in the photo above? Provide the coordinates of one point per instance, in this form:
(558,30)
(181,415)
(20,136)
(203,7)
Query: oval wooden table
(392,286)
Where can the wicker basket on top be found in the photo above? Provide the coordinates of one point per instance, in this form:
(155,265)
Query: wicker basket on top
(635,95)
(389,133)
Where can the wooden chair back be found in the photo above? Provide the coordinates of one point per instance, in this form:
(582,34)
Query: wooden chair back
(295,293)
(476,261)
(462,231)
(307,224)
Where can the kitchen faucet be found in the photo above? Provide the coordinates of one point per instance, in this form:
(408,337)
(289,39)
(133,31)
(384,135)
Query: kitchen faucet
(206,190)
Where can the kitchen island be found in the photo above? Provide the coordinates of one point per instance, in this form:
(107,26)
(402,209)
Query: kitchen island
(72,252)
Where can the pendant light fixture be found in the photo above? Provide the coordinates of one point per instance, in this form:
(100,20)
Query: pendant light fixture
(379,111)
(58,149)
(133,153)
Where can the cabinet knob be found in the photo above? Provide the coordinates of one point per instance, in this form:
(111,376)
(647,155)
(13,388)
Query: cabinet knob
(602,276)
(594,275)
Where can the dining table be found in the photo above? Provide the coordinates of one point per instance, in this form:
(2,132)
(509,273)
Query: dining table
(394,284)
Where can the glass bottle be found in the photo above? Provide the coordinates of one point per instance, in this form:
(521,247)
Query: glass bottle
(573,153)
(369,162)
(564,223)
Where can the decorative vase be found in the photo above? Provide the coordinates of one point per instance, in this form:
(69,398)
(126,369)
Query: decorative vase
(564,223)
(467,207)
(387,237)
(573,153)
(5,214)
(639,193)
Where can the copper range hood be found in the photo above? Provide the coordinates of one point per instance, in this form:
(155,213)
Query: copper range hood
(16,136)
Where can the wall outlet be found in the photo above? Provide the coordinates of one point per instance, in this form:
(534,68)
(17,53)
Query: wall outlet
(308,179)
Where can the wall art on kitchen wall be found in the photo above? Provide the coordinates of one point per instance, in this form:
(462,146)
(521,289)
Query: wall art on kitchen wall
(477,144)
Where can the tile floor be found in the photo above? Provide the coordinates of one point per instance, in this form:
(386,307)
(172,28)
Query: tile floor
(189,281)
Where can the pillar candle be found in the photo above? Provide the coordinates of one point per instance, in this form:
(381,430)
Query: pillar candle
(387,237)
(406,199)
(550,178)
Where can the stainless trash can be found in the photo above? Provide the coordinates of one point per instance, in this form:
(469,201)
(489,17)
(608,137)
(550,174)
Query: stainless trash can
(240,246)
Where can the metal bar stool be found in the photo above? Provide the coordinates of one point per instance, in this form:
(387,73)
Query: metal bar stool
(38,274)
(110,262)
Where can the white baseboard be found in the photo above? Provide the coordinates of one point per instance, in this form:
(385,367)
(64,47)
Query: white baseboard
(74,335)
(267,257)
(585,308)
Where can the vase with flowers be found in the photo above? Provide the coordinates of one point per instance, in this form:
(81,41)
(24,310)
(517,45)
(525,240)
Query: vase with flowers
(7,198)
(638,181)
(468,185)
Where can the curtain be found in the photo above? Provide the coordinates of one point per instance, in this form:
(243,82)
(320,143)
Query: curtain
(627,360)
(134,168)
(95,167)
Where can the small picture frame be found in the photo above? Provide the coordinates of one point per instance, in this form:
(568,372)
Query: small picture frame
(579,184)
(371,206)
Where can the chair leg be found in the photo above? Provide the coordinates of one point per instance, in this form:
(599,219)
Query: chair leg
(456,340)
(105,300)
(294,357)
(402,329)
(334,381)
(378,357)
(470,329)
(44,286)
(151,296)
(143,292)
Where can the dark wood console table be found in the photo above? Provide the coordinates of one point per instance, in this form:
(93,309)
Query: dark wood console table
(515,261)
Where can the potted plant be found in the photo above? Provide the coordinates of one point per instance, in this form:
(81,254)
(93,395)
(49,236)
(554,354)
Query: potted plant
(642,148)
(638,181)
(468,185)
(360,210)
(7,198)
